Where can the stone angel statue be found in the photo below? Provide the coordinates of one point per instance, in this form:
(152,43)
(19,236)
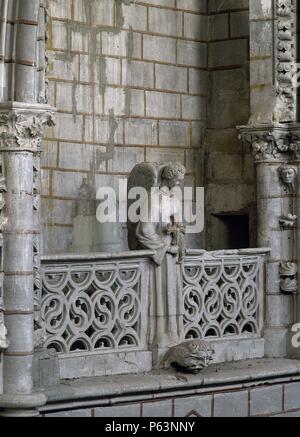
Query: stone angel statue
(159,229)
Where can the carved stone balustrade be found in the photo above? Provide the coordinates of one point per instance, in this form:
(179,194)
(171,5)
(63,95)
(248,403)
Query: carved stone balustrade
(97,308)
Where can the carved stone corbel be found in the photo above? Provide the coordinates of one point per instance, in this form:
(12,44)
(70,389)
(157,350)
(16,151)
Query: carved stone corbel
(287,176)
(288,277)
(288,222)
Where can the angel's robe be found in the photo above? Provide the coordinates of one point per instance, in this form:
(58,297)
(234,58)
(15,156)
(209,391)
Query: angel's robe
(166,280)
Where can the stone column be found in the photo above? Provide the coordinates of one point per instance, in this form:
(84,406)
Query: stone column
(296,353)
(21,131)
(295,144)
(23,115)
(273,111)
(276,229)
(3,330)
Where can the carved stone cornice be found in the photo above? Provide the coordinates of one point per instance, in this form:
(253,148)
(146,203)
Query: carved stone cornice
(22,126)
(269,143)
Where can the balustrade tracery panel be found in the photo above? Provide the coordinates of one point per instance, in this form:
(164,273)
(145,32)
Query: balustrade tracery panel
(92,307)
(222,297)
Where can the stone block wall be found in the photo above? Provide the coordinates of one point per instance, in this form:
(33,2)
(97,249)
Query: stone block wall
(263,93)
(130,82)
(158,80)
(230,175)
(278,400)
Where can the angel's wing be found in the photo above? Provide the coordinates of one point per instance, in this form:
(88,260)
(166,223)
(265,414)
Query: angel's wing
(143,175)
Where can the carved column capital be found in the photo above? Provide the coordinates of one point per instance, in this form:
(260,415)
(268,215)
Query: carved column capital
(268,143)
(22,126)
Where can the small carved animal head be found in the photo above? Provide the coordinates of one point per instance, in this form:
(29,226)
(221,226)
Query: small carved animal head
(191,356)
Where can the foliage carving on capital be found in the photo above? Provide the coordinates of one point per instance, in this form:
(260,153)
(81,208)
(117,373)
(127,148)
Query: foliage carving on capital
(267,145)
(23,130)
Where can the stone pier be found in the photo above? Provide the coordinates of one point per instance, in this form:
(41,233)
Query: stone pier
(272,136)
(23,116)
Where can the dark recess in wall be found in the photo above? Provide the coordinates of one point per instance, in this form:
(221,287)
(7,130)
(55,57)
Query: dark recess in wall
(235,230)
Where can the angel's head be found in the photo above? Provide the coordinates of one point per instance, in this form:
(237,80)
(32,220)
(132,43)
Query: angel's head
(173,175)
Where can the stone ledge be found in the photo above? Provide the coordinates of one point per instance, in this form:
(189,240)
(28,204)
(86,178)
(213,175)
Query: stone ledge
(101,256)
(70,257)
(104,391)
(74,366)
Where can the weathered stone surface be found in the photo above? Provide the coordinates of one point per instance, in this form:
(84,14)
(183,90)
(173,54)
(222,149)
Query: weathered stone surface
(119,411)
(231,405)
(108,364)
(196,406)
(264,401)
(291,400)
(157,409)
(74,413)
(289,415)
(164,80)
(136,389)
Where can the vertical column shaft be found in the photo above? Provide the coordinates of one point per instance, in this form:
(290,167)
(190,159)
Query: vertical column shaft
(274,154)
(18,269)
(26,51)
(20,145)
(268,210)
(273,204)
(296,353)
(22,120)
